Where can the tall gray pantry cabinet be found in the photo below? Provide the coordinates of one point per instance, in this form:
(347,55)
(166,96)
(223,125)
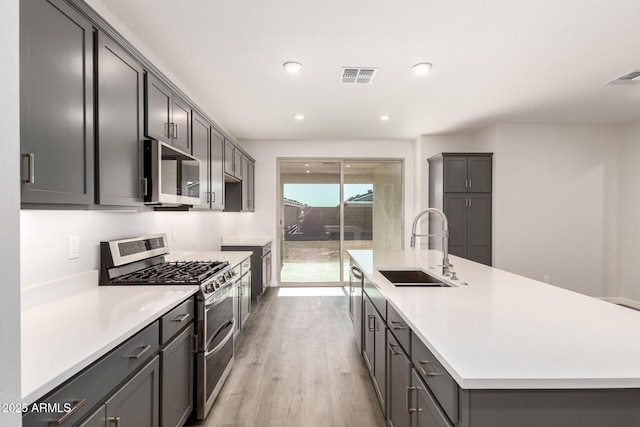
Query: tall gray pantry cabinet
(460,184)
(56,104)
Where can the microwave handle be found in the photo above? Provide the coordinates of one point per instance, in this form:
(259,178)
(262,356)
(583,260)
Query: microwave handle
(145,186)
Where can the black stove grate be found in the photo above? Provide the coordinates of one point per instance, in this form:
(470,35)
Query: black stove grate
(177,272)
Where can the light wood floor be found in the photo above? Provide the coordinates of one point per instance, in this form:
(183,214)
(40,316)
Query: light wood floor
(297,365)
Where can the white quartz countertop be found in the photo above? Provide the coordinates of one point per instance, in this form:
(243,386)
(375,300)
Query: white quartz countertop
(69,324)
(233,257)
(245,241)
(62,337)
(505,331)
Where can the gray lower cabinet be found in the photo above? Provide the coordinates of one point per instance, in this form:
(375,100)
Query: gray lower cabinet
(425,412)
(134,404)
(137,403)
(374,349)
(260,266)
(245,293)
(176,396)
(242,295)
(120,122)
(56,104)
(167,116)
(399,382)
(460,184)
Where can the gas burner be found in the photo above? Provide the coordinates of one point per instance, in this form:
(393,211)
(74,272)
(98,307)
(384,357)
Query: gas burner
(175,272)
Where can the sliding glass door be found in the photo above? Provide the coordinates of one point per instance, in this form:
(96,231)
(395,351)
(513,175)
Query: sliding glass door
(329,206)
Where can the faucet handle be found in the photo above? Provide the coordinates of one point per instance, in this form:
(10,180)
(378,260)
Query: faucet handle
(453,275)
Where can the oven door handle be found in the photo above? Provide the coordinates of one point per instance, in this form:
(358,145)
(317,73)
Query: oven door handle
(209,353)
(220,298)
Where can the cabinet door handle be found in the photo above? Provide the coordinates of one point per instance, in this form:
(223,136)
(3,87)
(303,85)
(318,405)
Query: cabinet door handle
(115,421)
(469,183)
(371,319)
(140,353)
(145,186)
(177,130)
(424,371)
(393,349)
(207,198)
(77,404)
(31,168)
(213,196)
(181,318)
(470,202)
(409,408)
(397,328)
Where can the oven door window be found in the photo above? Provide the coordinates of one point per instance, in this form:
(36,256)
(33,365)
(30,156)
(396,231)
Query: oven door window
(218,314)
(218,356)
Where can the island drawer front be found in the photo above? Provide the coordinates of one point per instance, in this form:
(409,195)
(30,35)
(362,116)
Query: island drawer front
(441,384)
(399,328)
(374,294)
(176,320)
(82,393)
(427,411)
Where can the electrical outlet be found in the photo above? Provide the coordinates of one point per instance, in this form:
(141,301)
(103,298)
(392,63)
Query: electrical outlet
(73,246)
(546,278)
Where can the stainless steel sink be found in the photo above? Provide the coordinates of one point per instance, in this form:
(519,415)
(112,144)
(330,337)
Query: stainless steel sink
(412,278)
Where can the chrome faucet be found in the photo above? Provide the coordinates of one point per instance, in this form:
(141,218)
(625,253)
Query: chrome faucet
(445,237)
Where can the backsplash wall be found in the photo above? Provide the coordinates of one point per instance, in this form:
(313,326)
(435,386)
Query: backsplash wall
(44,234)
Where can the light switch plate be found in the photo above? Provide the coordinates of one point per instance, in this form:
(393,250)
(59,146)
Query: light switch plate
(73,246)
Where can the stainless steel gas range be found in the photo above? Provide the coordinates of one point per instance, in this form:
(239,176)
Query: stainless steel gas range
(141,261)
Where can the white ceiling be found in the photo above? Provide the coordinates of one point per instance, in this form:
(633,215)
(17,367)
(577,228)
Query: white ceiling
(493,61)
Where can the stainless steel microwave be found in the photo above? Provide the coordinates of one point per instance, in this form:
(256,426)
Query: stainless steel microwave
(172,177)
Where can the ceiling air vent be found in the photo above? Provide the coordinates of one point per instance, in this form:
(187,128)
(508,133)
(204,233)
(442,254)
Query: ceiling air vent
(357,74)
(632,77)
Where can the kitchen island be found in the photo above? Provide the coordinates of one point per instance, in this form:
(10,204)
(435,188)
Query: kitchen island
(521,352)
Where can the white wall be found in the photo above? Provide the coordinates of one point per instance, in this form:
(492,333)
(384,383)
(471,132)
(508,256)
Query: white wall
(264,221)
(555,203)
(44,237)
(9,213)
(629,217)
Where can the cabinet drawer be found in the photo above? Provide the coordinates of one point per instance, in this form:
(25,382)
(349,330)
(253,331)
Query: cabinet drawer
(86,390)
(399,328)
(440,383)
(427,411)
(175,320)
(374,294)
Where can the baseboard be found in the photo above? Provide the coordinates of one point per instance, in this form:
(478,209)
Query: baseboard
(622,301)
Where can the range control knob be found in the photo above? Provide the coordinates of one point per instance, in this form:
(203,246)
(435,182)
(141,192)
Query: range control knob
(208,288)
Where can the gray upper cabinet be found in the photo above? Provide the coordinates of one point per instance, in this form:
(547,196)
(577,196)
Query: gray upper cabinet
(167,116)
(248,184)
(181,124)
(157,109)
(120,119)
(231,159)
(201,140)
(216,184)
(56,104)
(208,146)
(460,185)
(467,173)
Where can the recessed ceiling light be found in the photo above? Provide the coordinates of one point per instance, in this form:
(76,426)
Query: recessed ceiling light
(292,67)
(421,68)
(307,171)
(306,164)
(385,117)
(348,166)
(298,116)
